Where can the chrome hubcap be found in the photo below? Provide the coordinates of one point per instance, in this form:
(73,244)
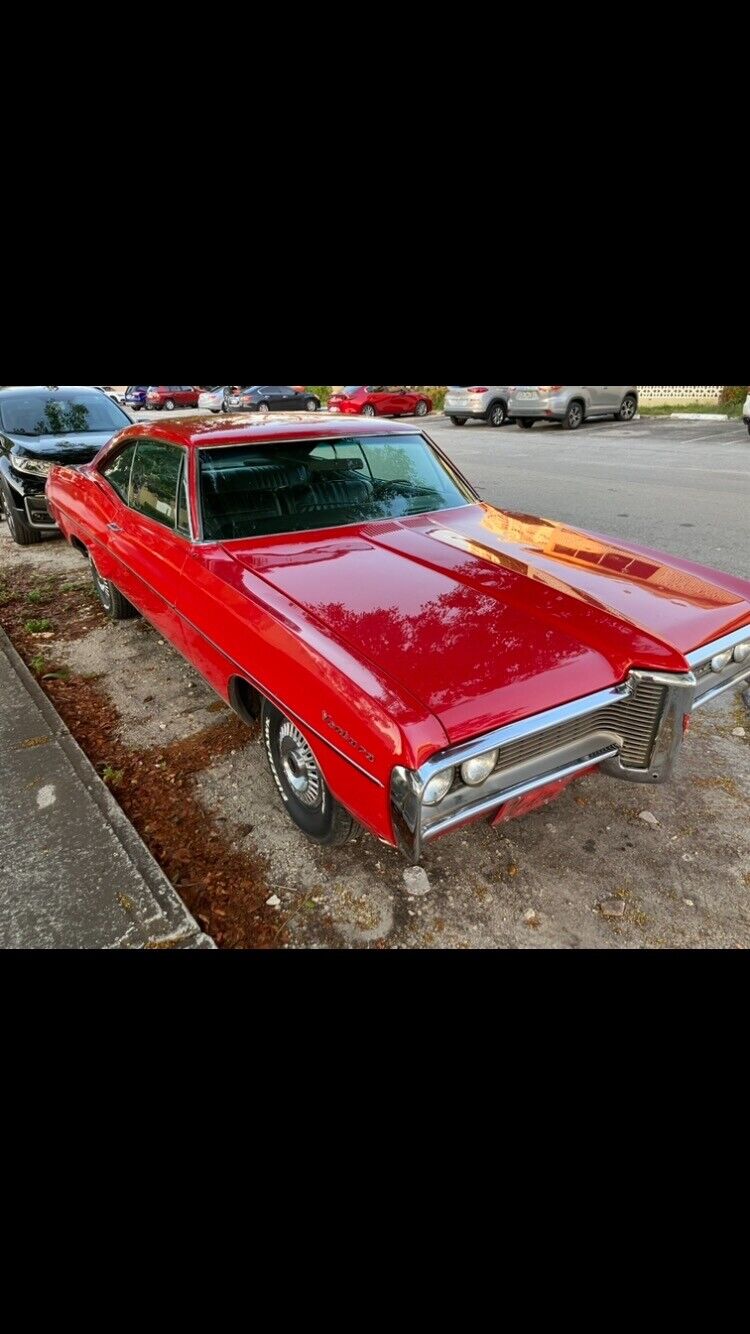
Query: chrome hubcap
(575,416)
(497,416)
(421,409)
(298,763)
(628,409)
(104,590)
(263,407)
(311,406)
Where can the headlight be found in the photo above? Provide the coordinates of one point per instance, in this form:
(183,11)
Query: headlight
(742,652)
(721,660)
(476,771)
(36,467)
(437,787)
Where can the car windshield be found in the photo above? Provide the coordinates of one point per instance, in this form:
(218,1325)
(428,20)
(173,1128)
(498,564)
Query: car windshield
(61,414)
(247,491)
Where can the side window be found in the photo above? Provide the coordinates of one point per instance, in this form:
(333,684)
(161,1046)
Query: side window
(153,486)
(117,472)
(183,520)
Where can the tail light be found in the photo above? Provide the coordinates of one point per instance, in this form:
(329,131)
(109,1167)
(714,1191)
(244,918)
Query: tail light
(478,389)
(549,388)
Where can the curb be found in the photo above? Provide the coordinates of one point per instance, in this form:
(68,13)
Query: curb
(182,930)
(701,416)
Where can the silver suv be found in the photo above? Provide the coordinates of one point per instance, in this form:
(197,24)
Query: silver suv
(486,403)
(571,404)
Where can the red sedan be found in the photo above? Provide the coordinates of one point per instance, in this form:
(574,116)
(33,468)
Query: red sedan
(417,658)
(379,400)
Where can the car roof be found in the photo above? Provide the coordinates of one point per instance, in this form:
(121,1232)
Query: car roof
(202,434)
(9,390)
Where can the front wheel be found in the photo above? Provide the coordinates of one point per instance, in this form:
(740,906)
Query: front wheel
(498,414)
(312,405)
(421,409)
(368,410)
(21,532)
(116,607)
(628,409)
(300,782)
(169,405)
(525,423)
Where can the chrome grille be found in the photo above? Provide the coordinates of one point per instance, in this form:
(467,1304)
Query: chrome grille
(634,720)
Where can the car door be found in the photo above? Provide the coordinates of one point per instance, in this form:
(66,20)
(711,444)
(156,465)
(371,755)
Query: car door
(401,401)
(598,398)
(380,396)
(150,536)
(282,398)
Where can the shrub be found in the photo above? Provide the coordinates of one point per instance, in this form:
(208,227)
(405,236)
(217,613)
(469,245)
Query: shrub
(732,395)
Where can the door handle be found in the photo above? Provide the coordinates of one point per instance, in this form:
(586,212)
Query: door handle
(114,528)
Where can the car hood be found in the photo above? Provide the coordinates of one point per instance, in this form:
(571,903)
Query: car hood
(74,448)
(486,616)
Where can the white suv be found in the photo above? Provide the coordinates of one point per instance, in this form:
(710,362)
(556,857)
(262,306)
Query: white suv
(746,412)
(571,404)
(486,403)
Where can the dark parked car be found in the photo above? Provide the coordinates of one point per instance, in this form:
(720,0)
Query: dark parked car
(171,396)
(135,396)
(277,398)
(39,426)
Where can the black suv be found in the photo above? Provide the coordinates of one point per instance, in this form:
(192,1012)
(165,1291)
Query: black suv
(41,425)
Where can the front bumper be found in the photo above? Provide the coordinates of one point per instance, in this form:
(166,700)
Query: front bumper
(633,731)
(30,499)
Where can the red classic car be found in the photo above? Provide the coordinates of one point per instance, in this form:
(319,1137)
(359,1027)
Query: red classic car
(379,400)
(417,658)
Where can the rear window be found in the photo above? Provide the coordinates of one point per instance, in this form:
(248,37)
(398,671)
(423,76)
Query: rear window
(249,492)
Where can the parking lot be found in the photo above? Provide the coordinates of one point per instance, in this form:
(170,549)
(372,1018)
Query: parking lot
(586,871)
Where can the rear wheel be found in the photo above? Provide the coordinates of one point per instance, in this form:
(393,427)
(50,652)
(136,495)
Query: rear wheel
(113,603)
(300,782)
(312,405)
(525,423)
(21,532)
(498,414)
(627,411)
(573,417)
(369,410)
(263,407)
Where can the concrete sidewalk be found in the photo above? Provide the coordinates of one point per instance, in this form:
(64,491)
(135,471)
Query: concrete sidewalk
(74,873)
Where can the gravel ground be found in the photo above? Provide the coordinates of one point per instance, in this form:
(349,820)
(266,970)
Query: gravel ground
(585,872)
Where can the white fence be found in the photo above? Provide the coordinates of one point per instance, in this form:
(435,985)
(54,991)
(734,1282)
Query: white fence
(679,393)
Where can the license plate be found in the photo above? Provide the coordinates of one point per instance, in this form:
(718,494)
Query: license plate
(527,395)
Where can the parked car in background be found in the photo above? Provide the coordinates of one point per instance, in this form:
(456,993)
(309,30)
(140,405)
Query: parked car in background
(171,396)
(746,412)
(112,393)
(214,399)
(571,404)
(277,398)
(379,400)
(488,403)
(135,396)
(40,426)
(417,658)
